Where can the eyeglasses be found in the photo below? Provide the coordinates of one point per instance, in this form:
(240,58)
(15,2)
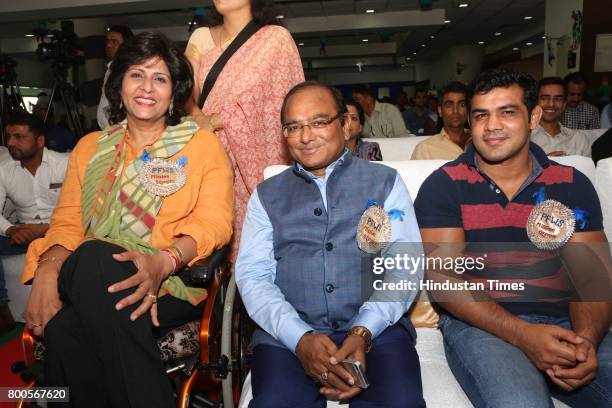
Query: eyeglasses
(317,126)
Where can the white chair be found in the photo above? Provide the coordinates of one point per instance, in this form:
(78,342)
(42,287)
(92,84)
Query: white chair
(581,163)
(397,148)
(603,184)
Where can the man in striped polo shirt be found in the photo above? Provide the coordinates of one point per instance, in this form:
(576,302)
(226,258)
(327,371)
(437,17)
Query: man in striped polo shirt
(542,344)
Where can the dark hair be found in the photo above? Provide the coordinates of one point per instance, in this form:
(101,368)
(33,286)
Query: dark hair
(23,118)
(262,10)
(352,102)
(143,47)
(125,31)
(453,87)
(577,78)
(552,81)
(504,78)
(364,89)
(336,94)
(420,91)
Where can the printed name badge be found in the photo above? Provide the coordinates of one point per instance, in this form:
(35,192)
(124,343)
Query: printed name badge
(374,229)
(162,177)
(550,225)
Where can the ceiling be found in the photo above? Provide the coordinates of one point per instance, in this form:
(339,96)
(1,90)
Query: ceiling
(387,45)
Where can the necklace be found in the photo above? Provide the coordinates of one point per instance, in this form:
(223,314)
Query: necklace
(223,44)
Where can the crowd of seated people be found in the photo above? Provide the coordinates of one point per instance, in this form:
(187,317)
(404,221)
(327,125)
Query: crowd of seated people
(299,239)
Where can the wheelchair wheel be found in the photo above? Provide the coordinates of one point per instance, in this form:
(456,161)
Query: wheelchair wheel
(226,341)
(235,343)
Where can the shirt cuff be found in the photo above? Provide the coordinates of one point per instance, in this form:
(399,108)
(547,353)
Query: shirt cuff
(371,321)
(4,225)
(292,331)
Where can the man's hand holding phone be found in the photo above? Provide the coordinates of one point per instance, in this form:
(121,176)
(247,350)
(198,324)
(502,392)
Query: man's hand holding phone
(353,349)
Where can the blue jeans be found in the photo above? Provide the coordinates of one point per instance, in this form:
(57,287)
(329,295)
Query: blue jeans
(6,248)
(494,373)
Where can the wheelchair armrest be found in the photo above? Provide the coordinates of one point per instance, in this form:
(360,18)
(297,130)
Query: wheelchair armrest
(202,272)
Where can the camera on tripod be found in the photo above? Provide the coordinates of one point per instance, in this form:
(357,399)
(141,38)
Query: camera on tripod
(59,45)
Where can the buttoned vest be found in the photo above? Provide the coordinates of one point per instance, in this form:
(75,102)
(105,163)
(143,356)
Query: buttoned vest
(319,265)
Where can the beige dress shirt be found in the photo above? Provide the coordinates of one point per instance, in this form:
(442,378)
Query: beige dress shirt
(437,147)
(569,141)
(386,121)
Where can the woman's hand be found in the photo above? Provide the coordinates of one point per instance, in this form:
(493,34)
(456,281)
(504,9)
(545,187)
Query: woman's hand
(44,301)
(152,270)
(209,122)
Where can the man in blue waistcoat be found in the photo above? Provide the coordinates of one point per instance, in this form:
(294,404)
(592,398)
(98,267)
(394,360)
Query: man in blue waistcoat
(300,273)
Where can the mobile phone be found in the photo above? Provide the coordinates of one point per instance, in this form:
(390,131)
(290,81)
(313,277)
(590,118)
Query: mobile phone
(354,369)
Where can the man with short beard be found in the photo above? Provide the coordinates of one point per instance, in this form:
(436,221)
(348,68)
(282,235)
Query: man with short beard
(554,138)
(518,347)
(32,180)
(579,114)
(454,137)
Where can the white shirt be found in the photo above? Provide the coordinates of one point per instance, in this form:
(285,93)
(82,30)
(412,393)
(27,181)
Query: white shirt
(35,197)
(102,116)
(386,121)
(570,141)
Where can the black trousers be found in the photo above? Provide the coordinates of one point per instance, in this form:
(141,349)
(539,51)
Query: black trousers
(106,359)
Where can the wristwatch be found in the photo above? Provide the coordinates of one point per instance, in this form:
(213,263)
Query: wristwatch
(364,333)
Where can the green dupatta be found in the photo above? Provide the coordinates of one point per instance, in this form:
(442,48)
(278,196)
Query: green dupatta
(116,206)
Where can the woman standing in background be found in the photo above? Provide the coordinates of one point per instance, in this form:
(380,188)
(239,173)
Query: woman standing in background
(243,106)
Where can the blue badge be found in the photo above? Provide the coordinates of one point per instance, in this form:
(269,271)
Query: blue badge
(182,161)
(145,157)
(397,214)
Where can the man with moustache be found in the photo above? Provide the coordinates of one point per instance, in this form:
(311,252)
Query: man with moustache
(299,269)
(32,180)
(554,138)
(381,119)
(452,140)
(579,114)
(543,342)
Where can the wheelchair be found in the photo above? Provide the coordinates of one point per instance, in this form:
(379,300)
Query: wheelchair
(206,360)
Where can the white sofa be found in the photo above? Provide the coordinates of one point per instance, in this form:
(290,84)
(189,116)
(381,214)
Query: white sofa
(440,389)
(603,184)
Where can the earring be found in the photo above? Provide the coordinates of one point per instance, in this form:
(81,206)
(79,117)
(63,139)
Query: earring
(171,108)
(121,105)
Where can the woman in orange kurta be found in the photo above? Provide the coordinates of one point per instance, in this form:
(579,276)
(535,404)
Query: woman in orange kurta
(149,193)
(244,104)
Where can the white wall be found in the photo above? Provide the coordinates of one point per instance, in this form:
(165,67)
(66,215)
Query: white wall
(444,69)
(558,30)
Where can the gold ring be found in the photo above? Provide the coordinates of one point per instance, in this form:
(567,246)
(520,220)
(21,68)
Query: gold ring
(152,297)
(36,325)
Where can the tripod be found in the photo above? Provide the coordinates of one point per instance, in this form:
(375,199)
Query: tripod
(67,95)
(10,95)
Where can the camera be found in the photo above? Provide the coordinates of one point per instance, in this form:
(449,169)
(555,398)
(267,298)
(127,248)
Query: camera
(59,45)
